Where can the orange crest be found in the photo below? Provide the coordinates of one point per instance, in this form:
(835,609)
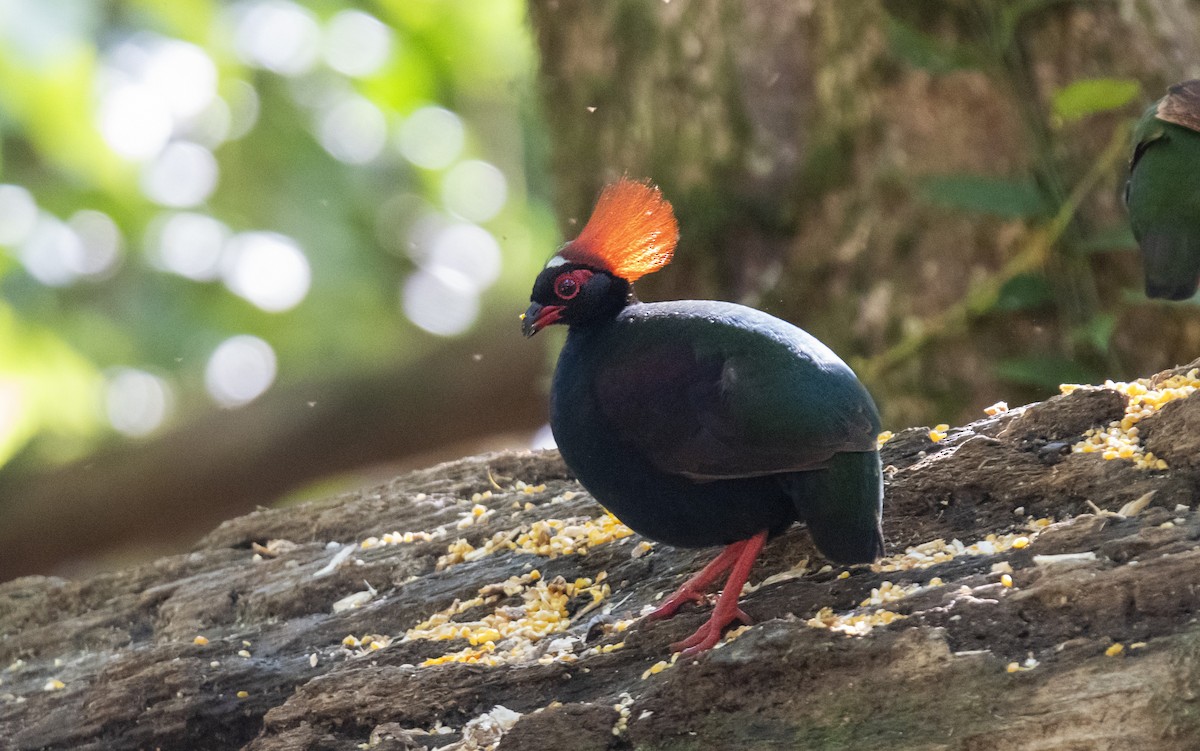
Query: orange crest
(632,231)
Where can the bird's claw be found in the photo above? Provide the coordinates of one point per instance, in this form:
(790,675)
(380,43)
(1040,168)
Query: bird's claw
(674,603)
(709,634)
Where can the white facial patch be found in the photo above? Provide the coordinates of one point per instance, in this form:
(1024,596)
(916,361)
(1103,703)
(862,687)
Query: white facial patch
(555,261)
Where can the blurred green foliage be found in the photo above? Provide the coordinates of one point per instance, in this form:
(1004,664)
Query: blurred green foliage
(1049,274)
(287,160)
(1093,95)
(985,194)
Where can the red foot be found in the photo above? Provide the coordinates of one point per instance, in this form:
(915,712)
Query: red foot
(693,589)
(707,636)
(740,556)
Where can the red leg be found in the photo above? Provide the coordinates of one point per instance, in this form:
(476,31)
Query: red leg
(693,589)
(727,610)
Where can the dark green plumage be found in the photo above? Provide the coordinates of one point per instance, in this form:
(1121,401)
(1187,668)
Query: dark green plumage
(701,423)
(1163,193)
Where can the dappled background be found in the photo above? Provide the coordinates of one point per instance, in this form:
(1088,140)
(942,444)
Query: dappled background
(204,203)
(259,251)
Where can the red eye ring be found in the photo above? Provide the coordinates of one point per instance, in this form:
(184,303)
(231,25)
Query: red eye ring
(567,286)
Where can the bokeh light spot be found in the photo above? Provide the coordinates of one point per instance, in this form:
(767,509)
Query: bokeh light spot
(278,35)
(43,34)
(134,121)
(357,43)
(136,402)
(183,175)
(441,301)
(353,131)
(268,269)
(53,252)
(101,242)
(211,127)
(182,74)
(243,109)
(240,369)
(475,190)
(18,214)
(467,250)
(431,137)
(188,244)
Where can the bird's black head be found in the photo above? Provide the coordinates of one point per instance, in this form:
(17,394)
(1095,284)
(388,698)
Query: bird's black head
(631,232)
(574,294)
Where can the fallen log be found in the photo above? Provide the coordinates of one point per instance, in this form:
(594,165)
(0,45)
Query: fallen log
(1037,596)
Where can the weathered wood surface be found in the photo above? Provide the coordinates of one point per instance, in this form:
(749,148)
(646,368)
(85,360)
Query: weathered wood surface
(122,644)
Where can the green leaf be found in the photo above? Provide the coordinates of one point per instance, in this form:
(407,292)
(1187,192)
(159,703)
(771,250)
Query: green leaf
(924,51)
(1023,292)
(1091,95)
(1048,371)
(1019,198)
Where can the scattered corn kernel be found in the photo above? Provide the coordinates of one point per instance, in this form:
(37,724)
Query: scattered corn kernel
(242,694)
(1021,542)
(549,607)
(1115,650)
(884,437)
(396,538)
(660,666)
(54,684)
(1121,440)
(655,669)
(1012,667)
(548,538)
(939,432)
(243,653)
(200,641)
(996,409)
(852,624)
(939,551)
(887,592)
(368,643)
(1006,580)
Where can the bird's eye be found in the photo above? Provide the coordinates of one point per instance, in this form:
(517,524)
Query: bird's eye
(567,285)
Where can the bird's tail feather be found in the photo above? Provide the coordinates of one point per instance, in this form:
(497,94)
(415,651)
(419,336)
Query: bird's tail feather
(842,505)
(1171,260)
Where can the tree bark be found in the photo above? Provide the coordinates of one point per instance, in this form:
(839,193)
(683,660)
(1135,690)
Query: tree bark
(1092,644)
